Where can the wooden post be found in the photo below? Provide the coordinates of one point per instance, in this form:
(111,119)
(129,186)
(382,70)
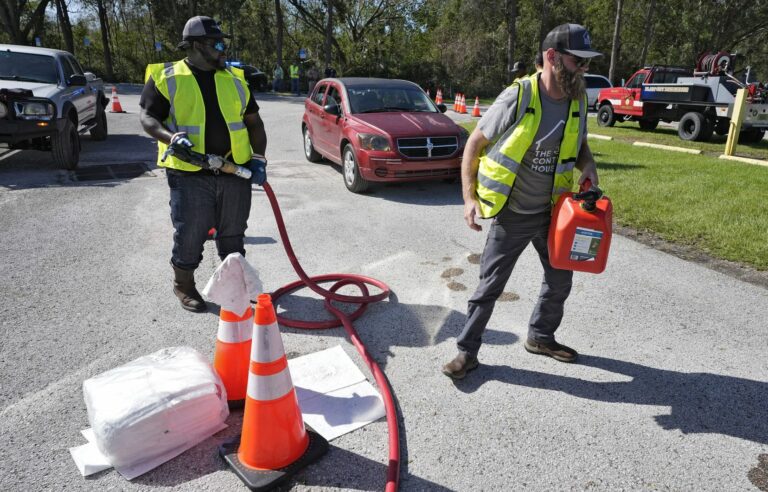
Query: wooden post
(736,118)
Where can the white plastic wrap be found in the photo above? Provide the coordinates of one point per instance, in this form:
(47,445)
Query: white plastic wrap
(155,407)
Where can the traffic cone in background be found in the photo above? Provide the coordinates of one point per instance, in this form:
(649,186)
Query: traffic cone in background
(274,443)
(116,107)
(232,356)
(476,109)
(439,97)
(462,104)
(456,102)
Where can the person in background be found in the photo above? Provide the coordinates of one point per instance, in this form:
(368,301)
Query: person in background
(330,72)
(277,78)
(519,70)
(201,103)
(312,75)
(295,78)
(518,179)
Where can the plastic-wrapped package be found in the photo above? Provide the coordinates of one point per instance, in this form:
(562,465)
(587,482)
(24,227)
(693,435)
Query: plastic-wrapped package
(155,407)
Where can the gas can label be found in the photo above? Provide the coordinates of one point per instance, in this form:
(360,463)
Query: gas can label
(586,243)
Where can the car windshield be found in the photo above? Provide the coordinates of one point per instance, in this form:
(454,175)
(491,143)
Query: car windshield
(27,67)
(384,99)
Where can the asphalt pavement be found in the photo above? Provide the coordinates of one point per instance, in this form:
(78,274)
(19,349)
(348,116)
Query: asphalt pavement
(669,393)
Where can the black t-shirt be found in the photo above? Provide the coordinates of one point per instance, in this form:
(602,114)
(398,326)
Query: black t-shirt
(216,132)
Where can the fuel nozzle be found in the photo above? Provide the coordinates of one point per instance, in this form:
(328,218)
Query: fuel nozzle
(589,194)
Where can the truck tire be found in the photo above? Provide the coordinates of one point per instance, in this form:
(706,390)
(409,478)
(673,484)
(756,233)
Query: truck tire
(99,132)
(648,124)
(66,146)
(694,126)
(753,135)
(605,115)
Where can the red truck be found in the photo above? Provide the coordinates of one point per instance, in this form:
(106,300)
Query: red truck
(700,100)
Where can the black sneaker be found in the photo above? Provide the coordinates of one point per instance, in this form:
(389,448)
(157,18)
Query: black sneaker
(551,349)
(460,366)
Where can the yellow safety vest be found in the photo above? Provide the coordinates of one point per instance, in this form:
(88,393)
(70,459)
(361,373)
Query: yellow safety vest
(294,71)
(177,83)
(498,167)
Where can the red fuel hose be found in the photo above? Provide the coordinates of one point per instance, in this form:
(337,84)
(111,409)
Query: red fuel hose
(342,279)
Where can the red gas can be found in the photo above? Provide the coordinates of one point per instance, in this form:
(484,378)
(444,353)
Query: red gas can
(580,233)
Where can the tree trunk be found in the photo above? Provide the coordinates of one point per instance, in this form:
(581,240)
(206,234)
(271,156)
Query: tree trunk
(329,34)
(544,27)
(11,13)
(511,15)
(65,25)
(648,31)
(616,41)
(279,40)
(104,23)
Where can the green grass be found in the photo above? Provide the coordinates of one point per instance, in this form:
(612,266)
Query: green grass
(630,131)
(716,206)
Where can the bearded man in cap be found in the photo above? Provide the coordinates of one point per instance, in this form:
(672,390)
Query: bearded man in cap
(201,103)
(530,139)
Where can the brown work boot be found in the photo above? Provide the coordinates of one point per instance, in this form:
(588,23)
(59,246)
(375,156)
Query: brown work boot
(184,288)
(460,366)
(551,349)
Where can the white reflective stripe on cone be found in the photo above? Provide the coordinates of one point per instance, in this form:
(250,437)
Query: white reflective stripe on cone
(235,331)
(266,388)
(267,345)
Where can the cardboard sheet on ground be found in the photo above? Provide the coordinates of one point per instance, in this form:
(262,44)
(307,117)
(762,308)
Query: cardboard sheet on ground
(334,396)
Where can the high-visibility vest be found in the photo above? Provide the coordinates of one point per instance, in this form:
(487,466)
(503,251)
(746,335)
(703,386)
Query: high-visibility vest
(498,167)
(177,83)
(294,71)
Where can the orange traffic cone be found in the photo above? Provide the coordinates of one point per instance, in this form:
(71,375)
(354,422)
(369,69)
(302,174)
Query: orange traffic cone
(274,443)
(232,356)
(476,109)
(462,104)
(456,102)
(116,107)
(439,97)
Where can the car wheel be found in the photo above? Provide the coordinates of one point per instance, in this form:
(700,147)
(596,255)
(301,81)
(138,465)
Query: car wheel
(351,172)
(99,132)
(309,150)
(694,126)
(66,146)
(605,115)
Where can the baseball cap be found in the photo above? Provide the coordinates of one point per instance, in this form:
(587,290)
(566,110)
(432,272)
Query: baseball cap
(518,66)
(571,38)
(201,26)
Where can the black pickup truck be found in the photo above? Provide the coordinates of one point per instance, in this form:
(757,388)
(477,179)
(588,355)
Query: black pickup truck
(47,101)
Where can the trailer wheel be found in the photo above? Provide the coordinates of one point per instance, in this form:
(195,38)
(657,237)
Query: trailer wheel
(753,135)
(605,115)
(648,124)
(694,126)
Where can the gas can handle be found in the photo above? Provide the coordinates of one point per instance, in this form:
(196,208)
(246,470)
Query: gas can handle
(589,194)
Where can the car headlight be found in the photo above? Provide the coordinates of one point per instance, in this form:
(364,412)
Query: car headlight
(3,110)
(34,110)
(463,136)
(372,141)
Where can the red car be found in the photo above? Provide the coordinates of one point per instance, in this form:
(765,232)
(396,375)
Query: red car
(380,130)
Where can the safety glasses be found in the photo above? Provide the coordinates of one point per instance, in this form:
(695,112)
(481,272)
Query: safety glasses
(219,46)
(577,60)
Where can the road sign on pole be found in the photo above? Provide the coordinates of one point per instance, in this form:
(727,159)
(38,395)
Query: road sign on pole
(37,41)
(158,46)
(302,53)
(86,41)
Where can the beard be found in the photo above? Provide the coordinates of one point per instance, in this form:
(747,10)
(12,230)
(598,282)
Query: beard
(570,83)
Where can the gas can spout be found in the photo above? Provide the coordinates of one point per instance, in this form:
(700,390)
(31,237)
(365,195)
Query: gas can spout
(588,195)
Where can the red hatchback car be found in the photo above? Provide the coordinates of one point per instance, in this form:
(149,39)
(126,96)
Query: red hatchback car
(380,130)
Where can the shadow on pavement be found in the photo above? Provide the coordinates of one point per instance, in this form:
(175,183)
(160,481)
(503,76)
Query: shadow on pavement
(701,403)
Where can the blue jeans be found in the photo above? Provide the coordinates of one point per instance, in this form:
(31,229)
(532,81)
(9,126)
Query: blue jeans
(295,86)
(200,201)
(277,85)
(509,235)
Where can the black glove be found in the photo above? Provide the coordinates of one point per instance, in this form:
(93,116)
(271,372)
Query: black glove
(258,169)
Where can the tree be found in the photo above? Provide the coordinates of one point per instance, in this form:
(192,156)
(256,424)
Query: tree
(104,23)
(648,31)
(616,41)
(511,16)
(62,13)
(11,13)
(279,40)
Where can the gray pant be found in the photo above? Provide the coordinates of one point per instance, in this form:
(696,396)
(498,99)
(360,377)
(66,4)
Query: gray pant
(509,235)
